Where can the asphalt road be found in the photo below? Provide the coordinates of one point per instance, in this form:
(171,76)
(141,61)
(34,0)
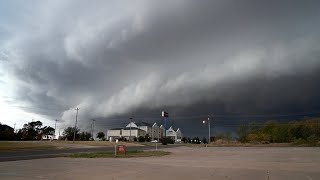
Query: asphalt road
(52,153)
(187,163)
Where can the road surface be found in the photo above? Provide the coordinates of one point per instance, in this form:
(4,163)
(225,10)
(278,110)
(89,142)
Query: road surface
(51,153)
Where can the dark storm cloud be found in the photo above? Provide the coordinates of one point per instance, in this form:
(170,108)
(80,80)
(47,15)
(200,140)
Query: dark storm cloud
(115,59)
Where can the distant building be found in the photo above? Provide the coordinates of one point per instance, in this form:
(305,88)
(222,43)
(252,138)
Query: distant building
(174,135)
(48,137)
(134,129)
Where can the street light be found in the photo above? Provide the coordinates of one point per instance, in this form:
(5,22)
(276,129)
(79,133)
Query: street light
(130,128)
(209,128)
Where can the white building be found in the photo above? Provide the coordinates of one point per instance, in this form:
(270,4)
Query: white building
(48,137)
(174,135)
(138,129)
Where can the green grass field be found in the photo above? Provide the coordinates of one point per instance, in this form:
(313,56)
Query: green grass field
(25,145)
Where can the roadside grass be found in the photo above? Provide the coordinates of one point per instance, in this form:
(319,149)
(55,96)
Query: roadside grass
(25,145)
(129,154)
(6,146)
(94,143)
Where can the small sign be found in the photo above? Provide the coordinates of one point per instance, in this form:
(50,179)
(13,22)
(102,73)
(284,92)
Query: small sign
(122,149)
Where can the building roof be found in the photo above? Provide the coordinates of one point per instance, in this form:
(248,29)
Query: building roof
(143,124)
(126,128)
(132,128)
(116,129)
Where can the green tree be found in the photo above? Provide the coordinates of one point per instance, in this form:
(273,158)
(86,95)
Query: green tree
(147,138)
(85,136)
(68,133)
(47,130)
(101,135)
(32,130)
(184,139)
(141,139)
(243,132)
(204,140)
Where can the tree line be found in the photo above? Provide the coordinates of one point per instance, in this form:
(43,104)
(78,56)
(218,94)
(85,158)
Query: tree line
(306,131)
(34,131)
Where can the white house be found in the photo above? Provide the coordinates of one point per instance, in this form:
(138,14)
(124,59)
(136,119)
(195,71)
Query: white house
(48,137)
(175,135)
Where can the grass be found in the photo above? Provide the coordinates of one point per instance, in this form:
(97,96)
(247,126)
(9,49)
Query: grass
(128,154)
(44,145)
(25,145)
(93,143)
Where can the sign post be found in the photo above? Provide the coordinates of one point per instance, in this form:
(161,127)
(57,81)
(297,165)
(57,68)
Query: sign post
(165,115)
(122,149)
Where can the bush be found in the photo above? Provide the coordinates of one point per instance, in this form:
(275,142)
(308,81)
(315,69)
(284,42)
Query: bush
(313,140)
(141,139)
(299,141)
(165,141)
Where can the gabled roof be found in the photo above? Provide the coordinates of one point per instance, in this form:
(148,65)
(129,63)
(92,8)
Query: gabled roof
(155,125)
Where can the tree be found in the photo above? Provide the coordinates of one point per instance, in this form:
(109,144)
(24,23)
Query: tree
(85,136)
(68,133)
(204,140)
(184,139)
(147,138)
(101,135)
(6,132)
(32,130)
(196,140)
(243,132)
(47,130)
(141,139)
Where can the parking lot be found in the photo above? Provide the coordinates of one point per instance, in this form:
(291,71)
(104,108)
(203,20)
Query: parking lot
(242,163)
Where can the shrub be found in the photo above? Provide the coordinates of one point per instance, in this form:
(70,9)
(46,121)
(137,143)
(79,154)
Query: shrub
(299,141)
(141,139)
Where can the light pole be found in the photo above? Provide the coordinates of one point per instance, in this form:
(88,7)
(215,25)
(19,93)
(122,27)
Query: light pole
(92,128)
(130,128)
(75,126)
(209,128)
(55,127)
(164,116)
(59,132)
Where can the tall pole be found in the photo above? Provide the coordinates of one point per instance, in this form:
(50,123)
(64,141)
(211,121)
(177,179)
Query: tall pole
(75,126)
(59,133)
(92,128)
(55,127)
(14,127)
(209,128)
(130,129)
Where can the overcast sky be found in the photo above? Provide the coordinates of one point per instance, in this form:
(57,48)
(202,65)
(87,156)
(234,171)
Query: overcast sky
(114,59)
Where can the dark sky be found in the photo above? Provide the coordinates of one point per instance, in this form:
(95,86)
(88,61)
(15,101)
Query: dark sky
(114,59)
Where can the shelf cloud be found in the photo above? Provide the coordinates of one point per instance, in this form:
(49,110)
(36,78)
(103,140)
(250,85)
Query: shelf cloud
(112,58)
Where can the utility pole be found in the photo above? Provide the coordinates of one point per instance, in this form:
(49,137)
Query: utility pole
(209,129)
(14,127)
(92,127)
(75,126)
(130,127)
(55,127)
(59,133)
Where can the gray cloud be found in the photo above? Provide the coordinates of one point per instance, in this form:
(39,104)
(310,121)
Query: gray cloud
(117,58)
